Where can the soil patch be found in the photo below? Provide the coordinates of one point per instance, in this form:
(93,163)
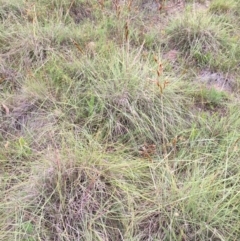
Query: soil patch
(219,81)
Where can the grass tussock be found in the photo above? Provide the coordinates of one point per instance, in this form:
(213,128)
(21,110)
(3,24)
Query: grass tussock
(124,103)
(119,120)
(219,6)
(204,40)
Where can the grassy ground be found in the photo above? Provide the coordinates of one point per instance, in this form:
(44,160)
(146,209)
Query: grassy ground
(120,120)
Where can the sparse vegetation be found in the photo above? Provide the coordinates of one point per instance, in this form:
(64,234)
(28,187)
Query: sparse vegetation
(119,120)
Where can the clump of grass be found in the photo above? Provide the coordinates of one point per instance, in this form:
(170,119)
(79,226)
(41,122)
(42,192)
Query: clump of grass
(80,202)
(220,6)
(118,98)
(81,198)
(203,40)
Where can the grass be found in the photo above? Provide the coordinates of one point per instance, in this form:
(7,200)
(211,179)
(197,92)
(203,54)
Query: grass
(219,6)
(204,39)
(105,138)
